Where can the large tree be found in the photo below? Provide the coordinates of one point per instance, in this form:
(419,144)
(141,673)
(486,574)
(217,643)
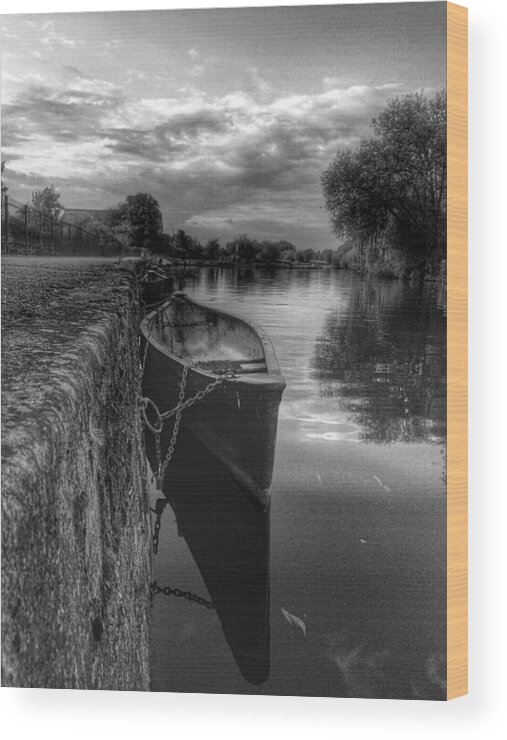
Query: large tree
(139,217)
(394,183)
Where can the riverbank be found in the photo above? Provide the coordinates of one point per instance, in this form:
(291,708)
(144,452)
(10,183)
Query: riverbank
(380,259)
(75,517)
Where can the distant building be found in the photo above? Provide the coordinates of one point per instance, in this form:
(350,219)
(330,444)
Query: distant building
(74,215)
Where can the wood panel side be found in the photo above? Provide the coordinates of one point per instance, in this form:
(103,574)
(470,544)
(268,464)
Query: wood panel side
(457,346)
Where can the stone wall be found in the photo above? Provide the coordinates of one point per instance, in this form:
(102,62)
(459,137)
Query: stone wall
(75,517)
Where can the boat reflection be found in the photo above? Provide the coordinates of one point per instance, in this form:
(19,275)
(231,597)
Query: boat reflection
(228,536)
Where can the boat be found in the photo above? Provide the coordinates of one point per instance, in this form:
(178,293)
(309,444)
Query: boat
(228,537)
(155,285)
(228,365)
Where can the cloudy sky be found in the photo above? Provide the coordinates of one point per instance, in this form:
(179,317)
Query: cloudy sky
(228,117)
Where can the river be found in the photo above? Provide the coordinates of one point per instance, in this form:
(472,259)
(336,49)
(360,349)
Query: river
(358,512)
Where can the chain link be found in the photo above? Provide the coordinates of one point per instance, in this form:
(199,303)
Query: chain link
(179,593)
(198,396)
(160,505)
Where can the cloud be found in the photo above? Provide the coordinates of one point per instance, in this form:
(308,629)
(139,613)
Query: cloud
(259,83)
(271,212)
(75,111)
(8,35)
(74,71)
(196,70)
(246,160)
(112,44)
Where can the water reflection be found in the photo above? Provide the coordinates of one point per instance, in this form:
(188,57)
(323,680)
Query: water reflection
(385,362)
(228,537)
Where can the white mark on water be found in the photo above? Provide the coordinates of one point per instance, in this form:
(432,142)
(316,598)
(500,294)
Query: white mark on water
(383,486)
(294,621)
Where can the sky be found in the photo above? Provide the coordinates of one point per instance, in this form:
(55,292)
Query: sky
(227,117)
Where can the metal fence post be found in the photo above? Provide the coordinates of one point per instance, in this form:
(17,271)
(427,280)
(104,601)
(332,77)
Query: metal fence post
(70,249)
(6,227)
(51,233)
(40,233)
(61,237)
(26,228)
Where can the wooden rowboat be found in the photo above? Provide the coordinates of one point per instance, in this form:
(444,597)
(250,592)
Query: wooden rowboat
(155,286)
(230,365)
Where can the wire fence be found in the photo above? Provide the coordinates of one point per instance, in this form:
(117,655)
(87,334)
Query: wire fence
(28,231)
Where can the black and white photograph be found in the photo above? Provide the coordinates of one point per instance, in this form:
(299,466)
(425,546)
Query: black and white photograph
(224,332)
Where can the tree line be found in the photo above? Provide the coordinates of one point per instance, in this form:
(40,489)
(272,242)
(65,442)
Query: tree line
(137,224)
(387,197)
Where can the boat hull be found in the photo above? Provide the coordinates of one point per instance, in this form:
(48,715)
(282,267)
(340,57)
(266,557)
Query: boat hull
(236,422)
(156,290)
(234,416)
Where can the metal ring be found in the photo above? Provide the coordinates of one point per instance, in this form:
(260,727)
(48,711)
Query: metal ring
(145,402)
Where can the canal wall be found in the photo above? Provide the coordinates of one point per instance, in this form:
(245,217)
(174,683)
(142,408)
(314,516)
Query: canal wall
(75,517)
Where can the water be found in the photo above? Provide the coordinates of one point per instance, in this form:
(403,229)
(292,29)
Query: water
(358,528)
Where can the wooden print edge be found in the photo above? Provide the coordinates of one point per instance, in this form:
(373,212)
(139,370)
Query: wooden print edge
(457,347)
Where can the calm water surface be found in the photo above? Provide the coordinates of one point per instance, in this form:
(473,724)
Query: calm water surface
(358,530)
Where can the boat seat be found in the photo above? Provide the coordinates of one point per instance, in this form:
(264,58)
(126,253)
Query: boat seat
(240,367)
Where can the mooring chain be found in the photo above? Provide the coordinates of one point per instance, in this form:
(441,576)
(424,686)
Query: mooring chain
(160,505)
(179,593)
(198,396)
(157,425)
(162,466)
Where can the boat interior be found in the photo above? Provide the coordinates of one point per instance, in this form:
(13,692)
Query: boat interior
(152,276)
(213,341)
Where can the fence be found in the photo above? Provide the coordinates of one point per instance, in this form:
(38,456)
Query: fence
(26,230)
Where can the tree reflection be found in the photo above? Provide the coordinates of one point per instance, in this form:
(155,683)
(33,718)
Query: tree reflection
(385,361)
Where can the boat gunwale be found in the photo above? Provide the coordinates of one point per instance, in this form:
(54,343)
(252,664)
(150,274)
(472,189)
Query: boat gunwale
(273,374)
(158,278)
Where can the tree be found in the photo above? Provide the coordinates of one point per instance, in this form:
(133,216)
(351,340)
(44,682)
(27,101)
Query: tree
(195,248)
(244,248)
(93,226)
(270,252)
(306,255)
(212,249)
(182,244)
(163,245)
(138,219)
(394,184)
(47,200)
